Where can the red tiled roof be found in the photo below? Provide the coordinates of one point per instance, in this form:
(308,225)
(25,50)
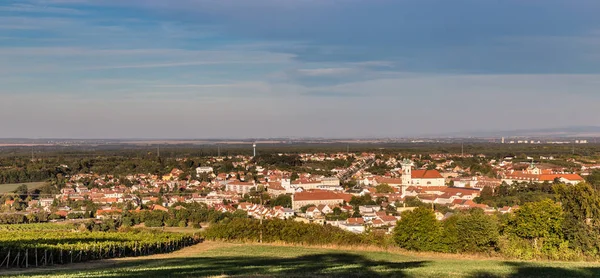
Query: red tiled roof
(426,174)
(388,218)
(543,177)
(159,207)
(356,221)
(388,180)
(571,177)
(377,222)
(104,211)
(321,195)
(241,183)
(275,186)
(62,213)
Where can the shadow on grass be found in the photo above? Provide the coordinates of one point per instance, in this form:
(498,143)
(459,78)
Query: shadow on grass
(323,265)
(532,270)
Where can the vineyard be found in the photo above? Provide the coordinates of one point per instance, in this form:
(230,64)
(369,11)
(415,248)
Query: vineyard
(33,245)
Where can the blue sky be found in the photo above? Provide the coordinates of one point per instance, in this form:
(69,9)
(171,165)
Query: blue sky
(318,68)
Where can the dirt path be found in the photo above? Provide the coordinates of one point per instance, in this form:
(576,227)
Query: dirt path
(183,253)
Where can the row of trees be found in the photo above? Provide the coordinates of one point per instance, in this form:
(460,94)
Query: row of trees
(186,215)
(244,230)
(516,194)
(567,229)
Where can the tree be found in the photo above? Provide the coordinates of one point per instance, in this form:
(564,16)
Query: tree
(486,193)
(239,214)
(282,200)
(362,200)
(538,220)
(581,225)
(22,191)
(418,230)
(384,188)
(337,211)
(472,232)
(594,179)
(304,208)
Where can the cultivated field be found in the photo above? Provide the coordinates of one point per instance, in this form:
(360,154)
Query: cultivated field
(10,187)
(252,260)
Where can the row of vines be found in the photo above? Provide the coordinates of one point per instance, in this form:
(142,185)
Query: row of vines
(37,245)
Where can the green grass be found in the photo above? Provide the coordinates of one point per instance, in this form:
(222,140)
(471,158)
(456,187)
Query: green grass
(10,187)
(284,261)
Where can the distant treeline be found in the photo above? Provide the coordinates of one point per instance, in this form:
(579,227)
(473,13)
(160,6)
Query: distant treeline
(189,150)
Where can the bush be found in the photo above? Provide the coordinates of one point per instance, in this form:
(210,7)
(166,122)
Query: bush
(418,230)
(472,232)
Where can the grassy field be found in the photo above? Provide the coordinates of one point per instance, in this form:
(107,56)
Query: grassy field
(10,187)
(252,260)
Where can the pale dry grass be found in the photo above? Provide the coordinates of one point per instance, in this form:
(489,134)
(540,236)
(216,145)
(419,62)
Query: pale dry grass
(370,248)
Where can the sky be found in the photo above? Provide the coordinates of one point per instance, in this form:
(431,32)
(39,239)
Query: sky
(295,68)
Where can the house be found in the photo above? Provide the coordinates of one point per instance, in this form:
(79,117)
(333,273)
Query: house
(284,213)
(325,209)
(330,182)
(377,223)
(318,197)
(313,212)
(159,207)
(355,221)
(388,220)
(354,228)
(46,202)
(369,212)
(275,189)
(477,182)
(146,200)
(82,189)
(204,170)
(536,175)
(306,184)
(240,187)
(390,181)
(173,175)
(108,213)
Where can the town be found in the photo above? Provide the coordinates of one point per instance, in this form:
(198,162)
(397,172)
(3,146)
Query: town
(357,192)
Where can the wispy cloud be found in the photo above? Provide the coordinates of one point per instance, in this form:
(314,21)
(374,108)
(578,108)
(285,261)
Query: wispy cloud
(176,64)
(235,85)
(33,23)
(39,9)
(326,71)
(374,64)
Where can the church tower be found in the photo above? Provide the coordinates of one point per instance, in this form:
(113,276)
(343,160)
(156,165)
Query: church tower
(406,171)
(406,175)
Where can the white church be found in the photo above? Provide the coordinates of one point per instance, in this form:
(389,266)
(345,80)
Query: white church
(412,177)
